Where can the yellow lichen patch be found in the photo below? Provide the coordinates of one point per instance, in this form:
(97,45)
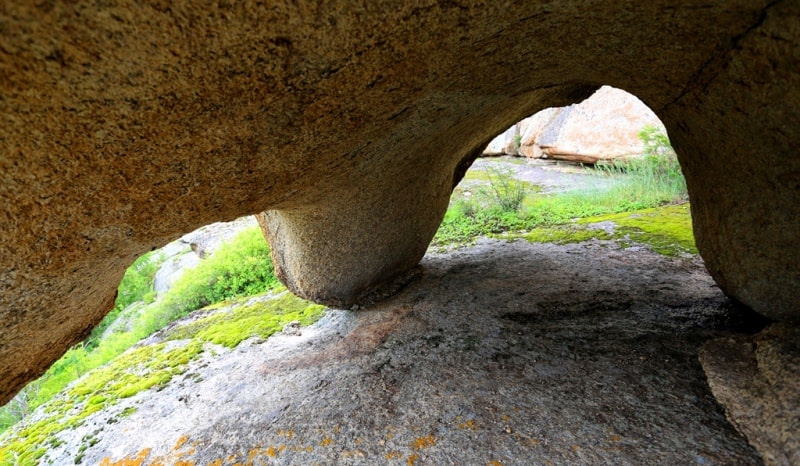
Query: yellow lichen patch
(393,455)
(138,460)
(614,438)
(494,463)
(470,424)
(412,458)
(325,442)
(272,452)
(181,440)
(423,442)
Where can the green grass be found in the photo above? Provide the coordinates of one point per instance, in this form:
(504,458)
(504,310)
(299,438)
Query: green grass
(654,180)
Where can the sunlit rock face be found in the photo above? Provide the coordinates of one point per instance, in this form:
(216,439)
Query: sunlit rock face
(125,124)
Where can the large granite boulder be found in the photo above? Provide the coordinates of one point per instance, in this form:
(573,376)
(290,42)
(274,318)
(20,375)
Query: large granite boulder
(605,126)
(125,124)
(507,143)
(531,130)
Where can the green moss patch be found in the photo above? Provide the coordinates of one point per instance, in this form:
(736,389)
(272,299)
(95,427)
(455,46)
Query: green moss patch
(152,366)
(135,370)
(668,229)
(561,234)
(246,319)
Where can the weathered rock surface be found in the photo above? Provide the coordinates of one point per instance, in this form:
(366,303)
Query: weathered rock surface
(605,126)
(757,380)
(126,124)
(475,362)
(505,143)
(531,130)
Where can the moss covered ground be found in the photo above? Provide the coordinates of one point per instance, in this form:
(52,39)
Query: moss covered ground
(667,230)
(149,367)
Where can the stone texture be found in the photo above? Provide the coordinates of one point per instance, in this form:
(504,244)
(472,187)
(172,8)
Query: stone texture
(757,380)
(470,364)
(125,124)
(531,130)
(505,143)
(605,126)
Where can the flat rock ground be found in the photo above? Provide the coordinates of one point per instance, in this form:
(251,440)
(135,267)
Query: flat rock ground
(505,353)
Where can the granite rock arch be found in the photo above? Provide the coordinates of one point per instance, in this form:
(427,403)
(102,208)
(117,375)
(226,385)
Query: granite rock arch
(123,124)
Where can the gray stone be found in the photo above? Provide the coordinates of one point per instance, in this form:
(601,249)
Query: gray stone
(757,380)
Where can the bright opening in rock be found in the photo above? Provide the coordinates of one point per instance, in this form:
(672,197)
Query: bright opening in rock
(571,173)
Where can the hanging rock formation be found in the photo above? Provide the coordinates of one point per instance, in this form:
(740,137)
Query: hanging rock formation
(125,124)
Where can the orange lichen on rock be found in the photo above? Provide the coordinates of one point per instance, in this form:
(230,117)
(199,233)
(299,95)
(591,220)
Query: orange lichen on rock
(423,442)
(470,424)
(393,455)
(138,460)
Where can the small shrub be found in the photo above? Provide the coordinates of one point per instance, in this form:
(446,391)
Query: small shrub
(505,191)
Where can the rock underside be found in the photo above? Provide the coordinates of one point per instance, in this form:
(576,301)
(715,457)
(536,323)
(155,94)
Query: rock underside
(126,124)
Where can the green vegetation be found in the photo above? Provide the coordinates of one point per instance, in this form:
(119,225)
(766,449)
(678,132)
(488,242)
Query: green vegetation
(249,317)
(651,181)
(144,367)
(668,229)
(239,268)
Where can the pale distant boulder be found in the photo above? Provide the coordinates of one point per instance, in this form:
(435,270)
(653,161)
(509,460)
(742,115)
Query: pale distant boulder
(605,126)
(506,143)
(531,129)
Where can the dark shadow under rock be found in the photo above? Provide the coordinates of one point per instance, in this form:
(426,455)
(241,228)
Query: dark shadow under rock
(501,353)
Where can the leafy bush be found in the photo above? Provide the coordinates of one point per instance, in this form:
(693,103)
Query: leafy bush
(136,285)
(240,268)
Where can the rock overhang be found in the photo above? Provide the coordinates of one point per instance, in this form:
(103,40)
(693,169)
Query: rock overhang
(127,124)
